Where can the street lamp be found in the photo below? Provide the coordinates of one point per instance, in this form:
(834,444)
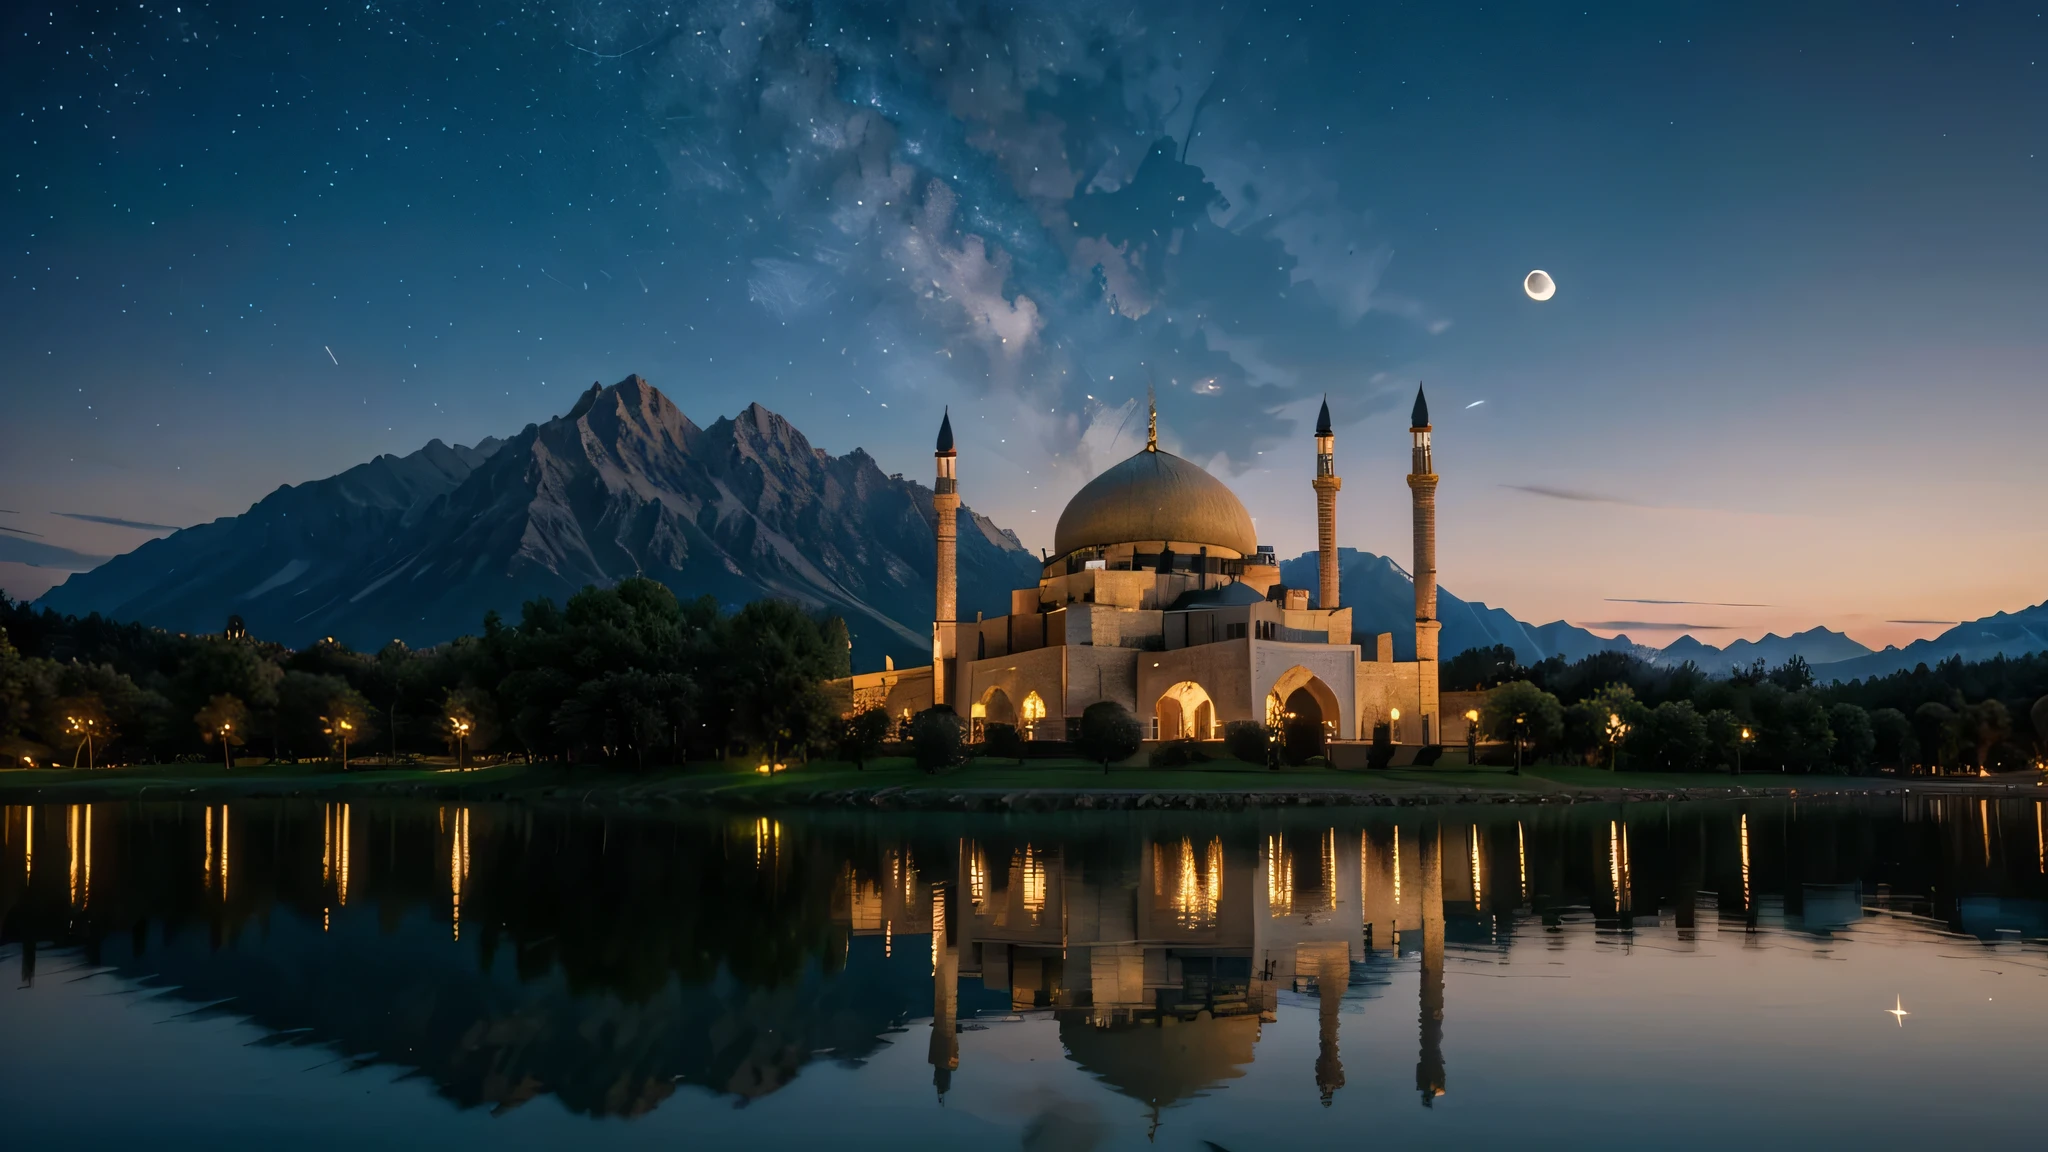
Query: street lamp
(1617,731)
(1740,740)
(460,727)
(226,754)
(1521,726)
(1472,736)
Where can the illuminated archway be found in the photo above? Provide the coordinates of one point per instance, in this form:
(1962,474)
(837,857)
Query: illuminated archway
(1185,712)
(1304,711)
(994,708)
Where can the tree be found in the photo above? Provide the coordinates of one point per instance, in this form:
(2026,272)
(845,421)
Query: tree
(1723,735)
(2039,715)
(348,720)
(1892,739)
(1672,736)
(861,736)
(1522,714)
(1478,668)
(469,720)
(1613,713)
(1855,738)
(1109,732)
(1935,727)
(300,722)
(777,663)
(1984,725)
(84,719)
(619,713)
(935,738)
(224,718)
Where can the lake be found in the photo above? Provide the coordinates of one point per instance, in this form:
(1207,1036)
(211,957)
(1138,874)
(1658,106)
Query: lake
(1696,974)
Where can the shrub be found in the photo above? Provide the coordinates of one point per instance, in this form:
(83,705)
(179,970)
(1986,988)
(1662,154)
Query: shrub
(1178,753)
(861,736)
(935,738)
(1246,740)
(1108,732)
(1002,740)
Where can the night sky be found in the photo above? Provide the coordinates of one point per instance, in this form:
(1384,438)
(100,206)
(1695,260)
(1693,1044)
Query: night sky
(1795,373)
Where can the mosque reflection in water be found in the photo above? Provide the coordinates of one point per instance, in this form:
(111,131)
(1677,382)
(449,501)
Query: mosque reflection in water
(506,952)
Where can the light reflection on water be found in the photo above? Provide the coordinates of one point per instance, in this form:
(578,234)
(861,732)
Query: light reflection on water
(435,973)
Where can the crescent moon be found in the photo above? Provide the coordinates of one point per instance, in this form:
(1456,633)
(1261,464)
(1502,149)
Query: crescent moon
(1539,285)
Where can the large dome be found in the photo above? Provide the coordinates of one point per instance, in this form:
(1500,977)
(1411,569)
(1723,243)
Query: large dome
(1155,496)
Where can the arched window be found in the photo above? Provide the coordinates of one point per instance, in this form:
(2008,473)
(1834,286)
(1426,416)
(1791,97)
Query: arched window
(1032,712)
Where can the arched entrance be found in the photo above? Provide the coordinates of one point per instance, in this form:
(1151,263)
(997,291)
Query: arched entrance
(994,708)
(1305,711)
(1184,712)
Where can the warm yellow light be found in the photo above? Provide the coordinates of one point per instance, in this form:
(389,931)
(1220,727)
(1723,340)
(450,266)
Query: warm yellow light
(1473,715)
(1392,713)
(1745,733)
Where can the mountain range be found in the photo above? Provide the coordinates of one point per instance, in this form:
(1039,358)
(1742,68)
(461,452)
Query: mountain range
(420,547)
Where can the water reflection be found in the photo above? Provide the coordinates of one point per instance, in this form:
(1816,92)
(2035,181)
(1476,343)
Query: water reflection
(507,952)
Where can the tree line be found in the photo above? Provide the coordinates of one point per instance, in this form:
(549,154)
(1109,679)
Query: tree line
(1619,709)
(626,675)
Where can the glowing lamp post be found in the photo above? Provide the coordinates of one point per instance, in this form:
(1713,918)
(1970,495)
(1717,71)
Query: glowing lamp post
(227,754)
(347,732)
(1472,736)
(1521,726)
(1741,738)
(1394,724)
(460,727)
(1617,731)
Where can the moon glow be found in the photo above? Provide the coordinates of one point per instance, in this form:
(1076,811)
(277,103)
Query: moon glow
(1539,285)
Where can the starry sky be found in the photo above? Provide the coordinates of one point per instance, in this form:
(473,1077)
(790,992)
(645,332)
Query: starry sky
(1795,373)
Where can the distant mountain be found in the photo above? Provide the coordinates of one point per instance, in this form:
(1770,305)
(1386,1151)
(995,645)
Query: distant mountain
(1816,645)
(1381,596)
(2018,633)
(420,547)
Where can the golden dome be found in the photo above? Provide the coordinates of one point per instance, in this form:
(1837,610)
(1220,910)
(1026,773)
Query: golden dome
(1155,497)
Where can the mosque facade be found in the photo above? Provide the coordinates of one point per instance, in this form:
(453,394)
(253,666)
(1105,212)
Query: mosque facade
(1158,596)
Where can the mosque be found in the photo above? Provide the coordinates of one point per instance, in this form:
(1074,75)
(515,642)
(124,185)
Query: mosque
(1158,596)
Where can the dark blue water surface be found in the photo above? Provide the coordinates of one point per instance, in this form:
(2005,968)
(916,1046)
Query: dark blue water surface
(1698,975)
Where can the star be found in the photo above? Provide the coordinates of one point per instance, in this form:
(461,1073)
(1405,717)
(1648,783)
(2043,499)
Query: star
(1898,1011)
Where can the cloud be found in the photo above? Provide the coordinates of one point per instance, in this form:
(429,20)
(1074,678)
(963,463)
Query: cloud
(116,521)
(18,531)
(1923,621)
(38,555)
(1697,603)
(1575,497)
(1654,626)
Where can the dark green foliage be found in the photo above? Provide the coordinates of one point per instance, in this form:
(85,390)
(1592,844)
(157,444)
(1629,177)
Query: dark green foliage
(1893,740)
(1108,732)
(1477,669)
(1177,754)
(861,736)
(1003,741)
(1521,711)
(1246,740)
(1672,737)
(1855,738)
(1302,740)
(935,741)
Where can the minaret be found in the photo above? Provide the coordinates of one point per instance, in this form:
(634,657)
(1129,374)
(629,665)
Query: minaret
(1422,483)
(946,527)
(1429,1064)
(944,1051)
(1327,484)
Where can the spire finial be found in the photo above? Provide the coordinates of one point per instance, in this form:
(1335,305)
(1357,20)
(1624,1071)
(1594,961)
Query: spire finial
(946,431)
(1419,417)
(1323,417)
(1151,419)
